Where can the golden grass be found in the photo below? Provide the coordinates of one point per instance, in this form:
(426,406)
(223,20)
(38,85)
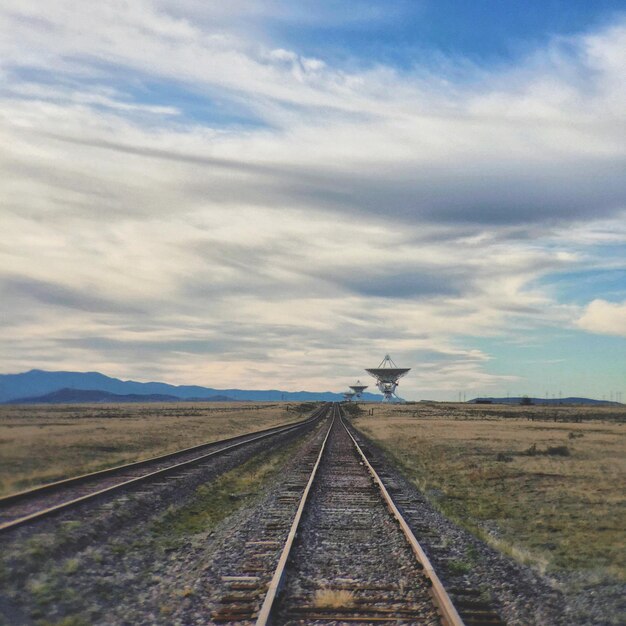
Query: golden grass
(556,512)
(41,444)
(333,599)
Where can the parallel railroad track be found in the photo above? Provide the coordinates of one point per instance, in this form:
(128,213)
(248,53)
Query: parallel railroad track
(28,506)
(343,555)
(472,602)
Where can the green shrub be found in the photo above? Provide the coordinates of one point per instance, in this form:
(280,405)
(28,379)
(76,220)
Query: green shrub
(558,451)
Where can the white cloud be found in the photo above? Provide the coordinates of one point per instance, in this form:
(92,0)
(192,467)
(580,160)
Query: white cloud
(360,212)
(605,318)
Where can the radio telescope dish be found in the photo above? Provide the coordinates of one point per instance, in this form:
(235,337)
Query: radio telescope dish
(387,375)
(358,388)
(348,395)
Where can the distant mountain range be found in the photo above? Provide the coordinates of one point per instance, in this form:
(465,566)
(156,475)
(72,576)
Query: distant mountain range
(77,396)
(40,386)
(522,400)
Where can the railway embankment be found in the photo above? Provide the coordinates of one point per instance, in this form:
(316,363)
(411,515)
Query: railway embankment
(86,565)
(525,506)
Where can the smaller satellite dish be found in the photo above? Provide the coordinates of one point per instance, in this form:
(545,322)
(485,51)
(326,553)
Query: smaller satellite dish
(358,388)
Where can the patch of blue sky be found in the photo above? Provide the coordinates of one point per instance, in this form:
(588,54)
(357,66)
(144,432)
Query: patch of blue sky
(583,286)
(570,361)
(193,106)
(214,110)
(405,33)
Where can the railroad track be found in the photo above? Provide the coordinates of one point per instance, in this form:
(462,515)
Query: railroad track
(333,548)
(29,506)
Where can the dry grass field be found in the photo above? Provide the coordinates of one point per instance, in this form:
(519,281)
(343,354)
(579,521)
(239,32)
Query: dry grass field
(551,493)
(41,443)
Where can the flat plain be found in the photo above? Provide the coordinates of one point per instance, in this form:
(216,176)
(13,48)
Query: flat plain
(543,484)
(43,443)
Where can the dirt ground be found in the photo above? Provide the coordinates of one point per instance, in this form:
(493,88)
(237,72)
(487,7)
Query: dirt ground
(40,443)
(550,493)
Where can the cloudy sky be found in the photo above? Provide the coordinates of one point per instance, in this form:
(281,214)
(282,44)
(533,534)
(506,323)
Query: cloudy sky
(274,194)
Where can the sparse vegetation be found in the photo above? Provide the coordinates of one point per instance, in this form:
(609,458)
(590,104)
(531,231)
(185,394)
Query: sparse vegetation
(217,500)
(71,566)
(352,409)
(53,595)
(459,567)
(504,457)
(528,487)
(333,598)
(305,407)
(557,451)
(549,451)
(72,620)
(40,444)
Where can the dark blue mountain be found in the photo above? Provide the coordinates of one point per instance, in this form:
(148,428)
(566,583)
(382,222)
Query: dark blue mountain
(76,396)
(550,401)
(39,382)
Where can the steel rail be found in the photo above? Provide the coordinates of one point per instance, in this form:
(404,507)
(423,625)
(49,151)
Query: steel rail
(263,619)
(442,601)
(12,498)
(441,598)
(248,438)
